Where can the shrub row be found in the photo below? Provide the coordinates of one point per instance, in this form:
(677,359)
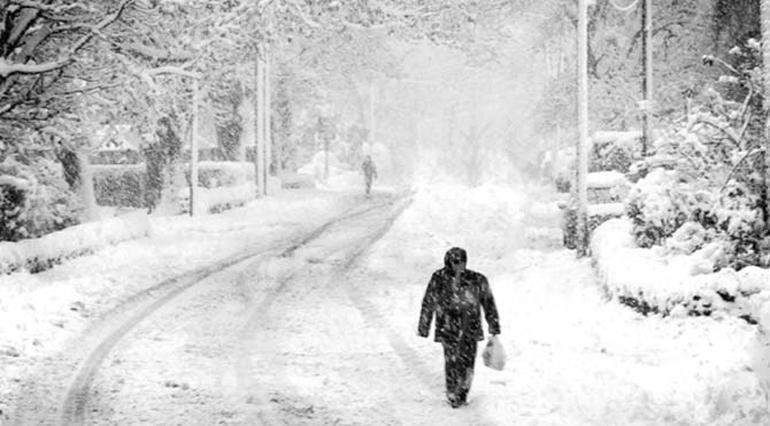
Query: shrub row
(125,184)
(38,254)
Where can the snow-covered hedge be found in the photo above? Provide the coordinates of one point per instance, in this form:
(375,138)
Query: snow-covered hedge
(215,174)
(125,184)
(120,184)
(38,254)
(663,281)
(215,200)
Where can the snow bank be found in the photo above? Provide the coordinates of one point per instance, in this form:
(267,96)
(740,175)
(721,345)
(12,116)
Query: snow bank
(40,253)
(679,284)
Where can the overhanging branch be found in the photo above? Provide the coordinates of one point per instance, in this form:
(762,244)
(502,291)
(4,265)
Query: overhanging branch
(7,68)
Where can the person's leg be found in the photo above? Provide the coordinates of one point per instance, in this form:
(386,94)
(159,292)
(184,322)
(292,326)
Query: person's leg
(452,373)
(467,361)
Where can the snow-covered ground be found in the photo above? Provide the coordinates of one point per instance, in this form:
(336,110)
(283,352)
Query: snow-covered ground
(574,357)
(345,344)
(39,312)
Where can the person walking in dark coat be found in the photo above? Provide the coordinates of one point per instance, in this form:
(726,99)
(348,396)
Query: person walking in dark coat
(370,173)
(456,295)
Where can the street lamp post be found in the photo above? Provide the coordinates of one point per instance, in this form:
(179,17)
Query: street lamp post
(267,154)
(647,79)
(194,150)
(259,121)
(582,146)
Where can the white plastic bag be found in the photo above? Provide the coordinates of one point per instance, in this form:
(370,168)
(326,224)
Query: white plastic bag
(494,354)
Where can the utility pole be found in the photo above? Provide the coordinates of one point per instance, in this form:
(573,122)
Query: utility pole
(194,150)
(647,77)
(764,11)
(268,117)
(259,145)
(582,155)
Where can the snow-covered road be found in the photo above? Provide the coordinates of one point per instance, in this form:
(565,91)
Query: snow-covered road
(325,333)
(226,349)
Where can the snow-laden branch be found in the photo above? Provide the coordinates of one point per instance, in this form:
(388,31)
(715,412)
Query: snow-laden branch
(148,75)
(172,70)
(49,7)
(735,168)
(153,52)
(731,134)
(8,68)
(303,16)
(109,19)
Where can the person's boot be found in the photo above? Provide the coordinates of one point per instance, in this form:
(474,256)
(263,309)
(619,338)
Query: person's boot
(453,400)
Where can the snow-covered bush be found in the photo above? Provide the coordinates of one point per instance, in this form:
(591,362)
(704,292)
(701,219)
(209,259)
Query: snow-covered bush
(660,203)
(35,199)
(689,237)
(614,151)
(705,168)
(120,185)
(125,184)
(215,174)
(739,221)
(217,200)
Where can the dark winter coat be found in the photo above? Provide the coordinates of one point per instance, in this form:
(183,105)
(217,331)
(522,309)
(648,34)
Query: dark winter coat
(458,307)
(370,171)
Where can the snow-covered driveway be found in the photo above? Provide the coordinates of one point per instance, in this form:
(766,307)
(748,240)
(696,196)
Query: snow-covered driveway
(326,334)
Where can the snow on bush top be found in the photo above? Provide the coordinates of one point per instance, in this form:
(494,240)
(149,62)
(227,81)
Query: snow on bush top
(606,209)
(618,137)
(606,179)
(13,181)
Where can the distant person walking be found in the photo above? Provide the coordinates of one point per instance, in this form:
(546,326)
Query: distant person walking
(456,295)
(370,173)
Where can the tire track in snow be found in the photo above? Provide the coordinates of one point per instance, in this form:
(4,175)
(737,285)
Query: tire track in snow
(245,371)
(119,321)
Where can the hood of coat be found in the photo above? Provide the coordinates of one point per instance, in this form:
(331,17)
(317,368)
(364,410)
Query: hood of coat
(454,254)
